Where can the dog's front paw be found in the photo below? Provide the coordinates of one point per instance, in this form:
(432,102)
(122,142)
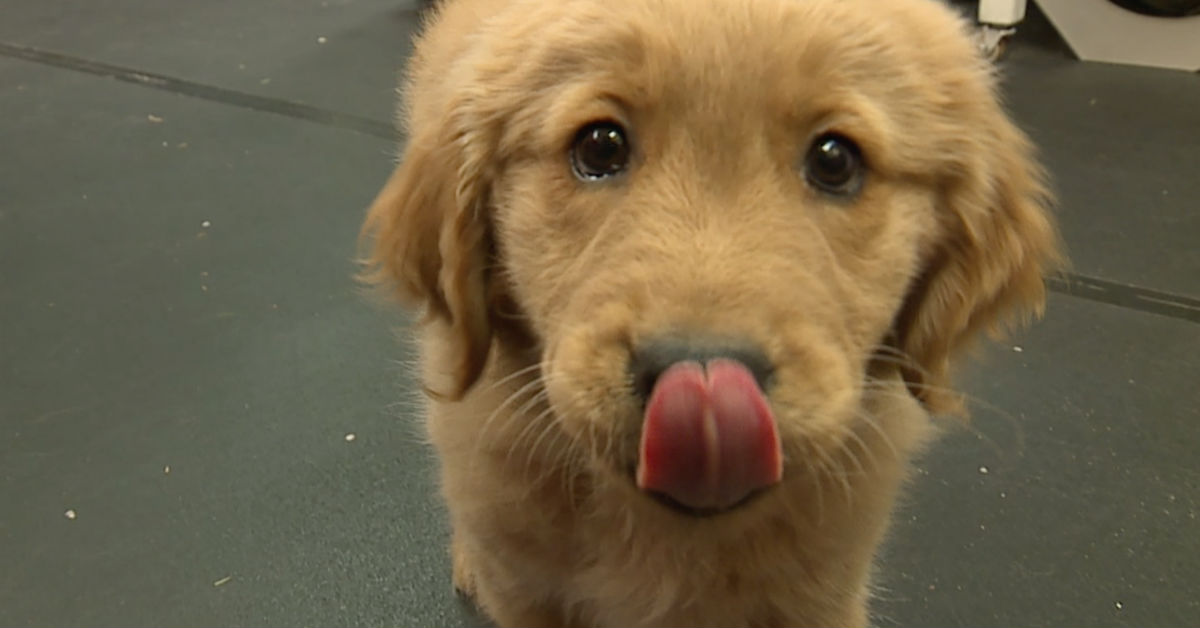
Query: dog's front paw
(462,576)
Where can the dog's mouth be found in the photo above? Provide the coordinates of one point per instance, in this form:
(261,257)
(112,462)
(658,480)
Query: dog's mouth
(701,513)
(709,441)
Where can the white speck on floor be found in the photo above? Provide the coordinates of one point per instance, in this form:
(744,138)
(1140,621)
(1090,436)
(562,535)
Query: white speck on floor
(165,144)
(350,437)
(206,224)
(153,119)
(1119,605)
(1003,495)
(1017,348)
(167,470)
(222,581)
(321,40)
(983,470)
(70,514)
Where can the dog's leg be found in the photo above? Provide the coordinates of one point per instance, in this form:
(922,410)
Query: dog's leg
(510,606)
(506,605)
(462,576)
(515,614)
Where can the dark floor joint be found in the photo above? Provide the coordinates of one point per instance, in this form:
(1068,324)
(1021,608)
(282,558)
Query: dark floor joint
(1079,286)
(1122,295)
(300,111)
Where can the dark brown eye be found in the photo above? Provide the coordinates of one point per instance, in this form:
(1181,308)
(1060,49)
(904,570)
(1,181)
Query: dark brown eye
(834,165)
(600,150)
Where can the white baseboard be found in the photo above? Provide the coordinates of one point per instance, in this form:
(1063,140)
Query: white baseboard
(1098,30)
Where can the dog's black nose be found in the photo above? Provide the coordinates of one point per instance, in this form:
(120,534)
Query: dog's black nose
(651,357)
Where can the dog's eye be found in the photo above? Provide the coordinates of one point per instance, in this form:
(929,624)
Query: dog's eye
(600,150)
(834,165)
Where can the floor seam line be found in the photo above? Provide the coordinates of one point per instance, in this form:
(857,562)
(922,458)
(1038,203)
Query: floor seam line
(1083,287)
(210,93)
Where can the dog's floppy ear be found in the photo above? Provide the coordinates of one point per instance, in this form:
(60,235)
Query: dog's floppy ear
(997,241)
(428,235)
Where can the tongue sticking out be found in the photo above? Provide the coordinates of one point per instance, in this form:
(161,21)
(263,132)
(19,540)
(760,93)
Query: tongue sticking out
(708,438)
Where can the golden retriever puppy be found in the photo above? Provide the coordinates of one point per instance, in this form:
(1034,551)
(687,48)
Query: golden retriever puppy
(693,275)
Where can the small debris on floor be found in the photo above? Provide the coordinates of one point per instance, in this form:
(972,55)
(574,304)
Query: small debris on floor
(1119,605)
(206,224)
(153,119)
(70,514)
(1003,495)
(165,144)
(167,470)
(222,581)
(321,40)
(983,470)
(350,437)
(1017,348)
(241,66)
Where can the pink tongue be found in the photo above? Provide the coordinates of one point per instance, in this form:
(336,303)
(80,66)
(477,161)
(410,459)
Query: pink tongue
(708,439)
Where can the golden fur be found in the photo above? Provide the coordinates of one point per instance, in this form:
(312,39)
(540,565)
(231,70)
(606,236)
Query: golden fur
(536,284)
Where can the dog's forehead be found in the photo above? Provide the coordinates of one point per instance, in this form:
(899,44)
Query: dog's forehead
(905,67)
(742,53)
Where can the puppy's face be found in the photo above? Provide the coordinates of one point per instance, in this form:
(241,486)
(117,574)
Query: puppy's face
(716,224)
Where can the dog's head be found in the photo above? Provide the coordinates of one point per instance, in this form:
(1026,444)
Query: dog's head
(716,222)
